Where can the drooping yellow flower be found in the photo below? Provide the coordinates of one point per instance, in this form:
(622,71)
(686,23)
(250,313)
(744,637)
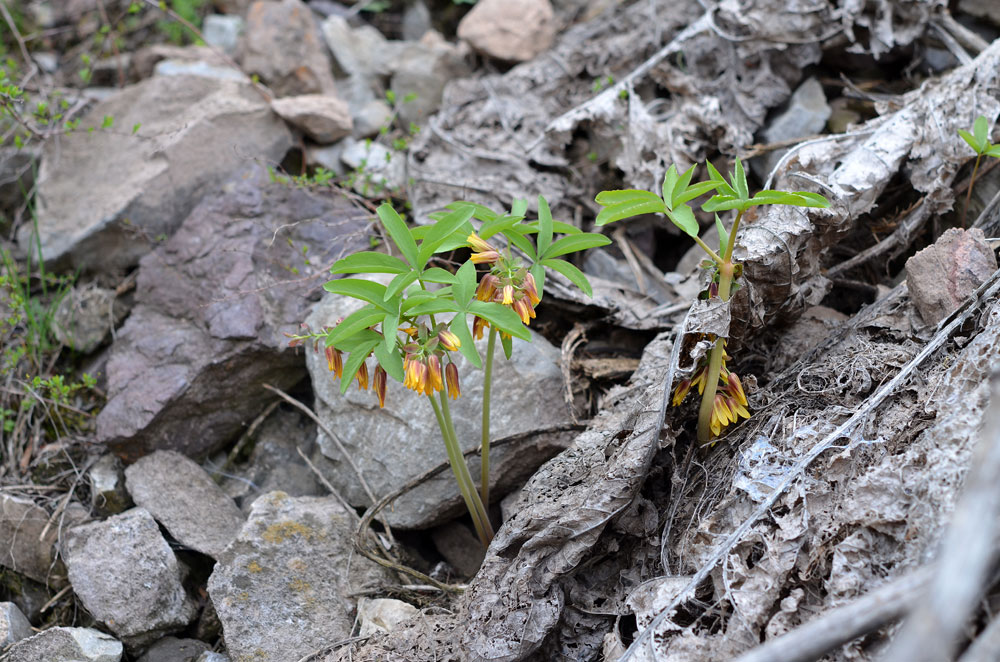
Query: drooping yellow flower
(335,361)
(434,377)
(478,326)
(451,377)
(508,295)
(362,376)
(483,253)
(449,340)
(530,289)
(379,385)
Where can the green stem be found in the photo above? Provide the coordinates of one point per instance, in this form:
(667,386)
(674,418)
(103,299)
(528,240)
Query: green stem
(480,520)
(485,448)
(712,254)
(968,194)
(715,358)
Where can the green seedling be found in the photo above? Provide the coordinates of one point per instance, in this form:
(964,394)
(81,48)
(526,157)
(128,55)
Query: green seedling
(719,408)
(414,325)
(979,141)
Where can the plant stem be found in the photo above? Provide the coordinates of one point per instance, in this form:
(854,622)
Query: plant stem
(460,469)
(968,193)
(715,358)
(484,453)
(712,254)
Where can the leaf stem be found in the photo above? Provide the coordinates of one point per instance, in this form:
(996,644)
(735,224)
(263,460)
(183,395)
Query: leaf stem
(968,193)
(487,389)
(712,254)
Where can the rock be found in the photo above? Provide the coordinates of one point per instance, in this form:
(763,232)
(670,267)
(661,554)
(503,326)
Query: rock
(460,547)
(377,168)
(199,68)
(395,444)
(107,486)
(223,31)
(185,500)
(13,625)
(209,656)
(806,115)
(283,47)
(423,68)
(323,118)
(512,30)
(370,117)
(85,317)
(127,576)
(172,649)
(283,588)
(66,645)
(362,52)
(416,20)
(986,9)
(382,615)
(23,547)
(212,305)
(326,156)
(145,59)
(941,276)
(96,212)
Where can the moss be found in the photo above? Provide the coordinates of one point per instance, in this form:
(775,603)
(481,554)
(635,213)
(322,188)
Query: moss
(254,567)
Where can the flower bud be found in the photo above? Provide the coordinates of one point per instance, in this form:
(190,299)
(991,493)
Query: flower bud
(451,377)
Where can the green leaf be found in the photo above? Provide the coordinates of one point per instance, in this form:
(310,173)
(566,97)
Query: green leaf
(460,327)
(465,284)
(971,140)
(723,235)
(398,232)
(508,346)
(523,244)
(398,284)
(617,197)
(994,151)
(981,130)
(389,325)
(723,185)
(109,120)
(354,361)
(573,274)
(433,307)
(576,242)
(795,199)
(498,224)
(519,207)
(438,275)
(538,273)
(723,203)
(391,361)
(500,316)
(440,232)
(369,262)
(670,183)
(365,290)
(692,192)
(740,181)
(480,212)
(357,321)
(544,225)
(649,204)
(421,297)
(683,217)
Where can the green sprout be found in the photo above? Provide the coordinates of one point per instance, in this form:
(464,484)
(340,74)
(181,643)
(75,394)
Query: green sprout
(414,325)
(719,408)
(979,141)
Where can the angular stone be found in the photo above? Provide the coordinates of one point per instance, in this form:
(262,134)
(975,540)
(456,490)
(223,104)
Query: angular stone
(172,649)
(85,317)
(282,589)
(127,576)
(223,31)
(283,46)
(105,197)
(212,305)
(941,276)
(322,117)
(382,615)
(23,548)
(806,115)
(363,51)
(394,445)
(512,30)
(422,70)
(61,644)
(182,497)
(13,625)
(145,59)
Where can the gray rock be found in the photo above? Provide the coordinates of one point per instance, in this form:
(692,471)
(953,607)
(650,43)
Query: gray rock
(184,499)
(107,486)
(223,31)
(209,656)
(145,59)
(85,317)
(986,9)
(512,30)
(326,156)
(423,68)
(282,588)
(23,547)
(283,46)
(460,547)
(806,115)
(943,275)
(395,444)
(322,117)
(105,197)
(127,576)
(13,625)
(382,615)
(212,305)
(416,20)
(370,117)
(363,51)
(199,68)
(66,645)
(172,649)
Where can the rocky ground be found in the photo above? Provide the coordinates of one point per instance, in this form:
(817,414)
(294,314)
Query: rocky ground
(177,483)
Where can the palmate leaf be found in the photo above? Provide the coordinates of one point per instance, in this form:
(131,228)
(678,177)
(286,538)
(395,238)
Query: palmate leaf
(369,262)
(460,327)
(398,232)
(353,324)
(684,218)
(500,316)
(440,232)
(464,286)
(357,356)
(791,198)
(619,205)
(364,290)
(575,242)
(573,274)
(390,360)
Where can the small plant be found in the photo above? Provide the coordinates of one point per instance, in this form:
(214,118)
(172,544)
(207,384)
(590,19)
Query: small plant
(414,325)
(979,141)
(719,408)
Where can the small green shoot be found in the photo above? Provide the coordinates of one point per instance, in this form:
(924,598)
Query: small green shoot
(979,141)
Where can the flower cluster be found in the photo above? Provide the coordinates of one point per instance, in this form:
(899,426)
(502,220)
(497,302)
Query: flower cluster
(423,363)
(508,283)
(730,400)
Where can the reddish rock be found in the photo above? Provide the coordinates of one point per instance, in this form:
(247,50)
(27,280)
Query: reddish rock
(512,30)
(322,117)
(941,276)
(283,47)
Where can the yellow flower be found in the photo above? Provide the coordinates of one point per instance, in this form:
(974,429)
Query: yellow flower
(363,377)
(478,326)
(434,380)
(379,383)
(524,310)
(681,391)
(508,295)
(451,377)
(529,288)
(449,340)
(416,374)
(335,361)
(487,287)
(483,252)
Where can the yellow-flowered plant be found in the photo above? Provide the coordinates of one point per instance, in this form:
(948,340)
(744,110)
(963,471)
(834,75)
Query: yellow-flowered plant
(723,400)
(415,324)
